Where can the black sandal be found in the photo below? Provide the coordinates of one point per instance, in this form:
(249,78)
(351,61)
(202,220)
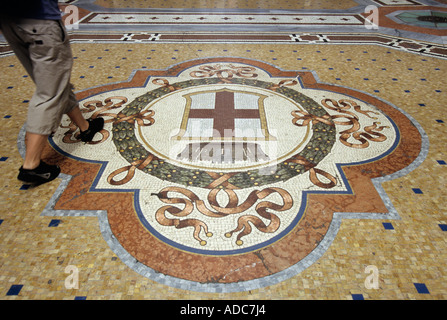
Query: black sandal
(94,126)
(42,174)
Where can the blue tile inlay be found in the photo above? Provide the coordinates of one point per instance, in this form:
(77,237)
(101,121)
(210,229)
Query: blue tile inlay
(80,298)
(14,290)
(357,297)
(54,223)
(441,162)
(25,187)
(417,190)
(443,227)
(3,158)
(421,288)
(439,121)
(388,226)
(7,116)
(1,221)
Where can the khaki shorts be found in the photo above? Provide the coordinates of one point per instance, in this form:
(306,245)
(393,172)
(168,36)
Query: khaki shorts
(43,48)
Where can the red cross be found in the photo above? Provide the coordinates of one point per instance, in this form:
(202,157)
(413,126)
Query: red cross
(224,114)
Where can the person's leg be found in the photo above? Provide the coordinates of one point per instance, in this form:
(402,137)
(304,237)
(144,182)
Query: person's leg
(88,128)
(34,170)
(34,145)
(44,50)
(76,116)
(18,45)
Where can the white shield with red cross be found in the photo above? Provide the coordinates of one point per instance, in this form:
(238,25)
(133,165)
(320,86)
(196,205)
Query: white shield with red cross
(224,126)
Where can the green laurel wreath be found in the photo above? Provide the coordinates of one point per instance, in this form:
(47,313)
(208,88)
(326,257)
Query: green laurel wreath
(320,144)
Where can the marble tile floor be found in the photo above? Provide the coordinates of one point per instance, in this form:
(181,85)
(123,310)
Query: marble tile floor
(379,234)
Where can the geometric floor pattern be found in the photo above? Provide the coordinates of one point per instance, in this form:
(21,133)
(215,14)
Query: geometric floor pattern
(251,151)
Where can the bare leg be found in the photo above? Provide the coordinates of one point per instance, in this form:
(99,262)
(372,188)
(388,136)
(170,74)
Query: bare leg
(88,128)
(36,142)
(34,170)
(76,116)
(34,147)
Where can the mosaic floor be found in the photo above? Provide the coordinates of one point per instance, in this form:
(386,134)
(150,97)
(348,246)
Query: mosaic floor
(287,150)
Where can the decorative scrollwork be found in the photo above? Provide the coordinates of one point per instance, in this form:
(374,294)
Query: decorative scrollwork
(282,83)
(233,206)
(371,132)
(224,73)
(306,118)
(314,172)
(130,171)
(302,118)
(101,107)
